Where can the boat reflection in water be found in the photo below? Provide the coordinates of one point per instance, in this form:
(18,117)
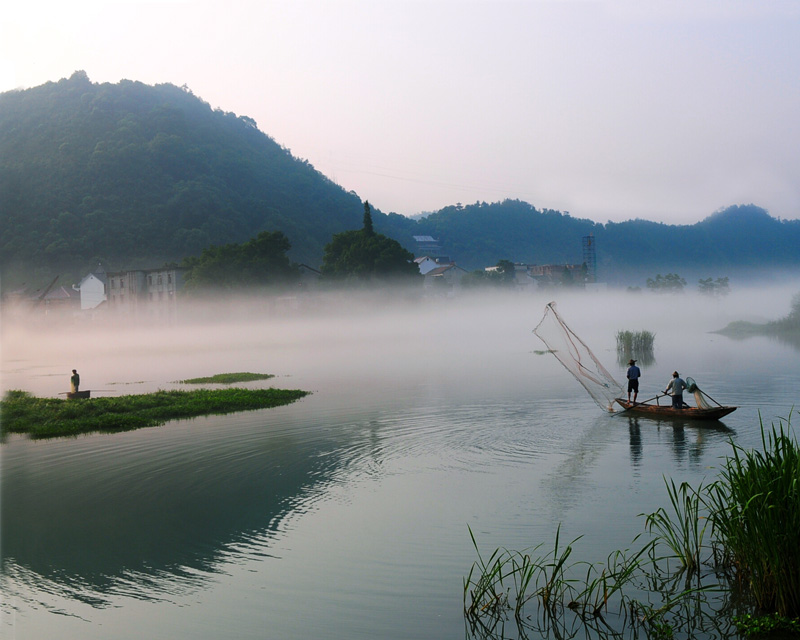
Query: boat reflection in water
(681,444)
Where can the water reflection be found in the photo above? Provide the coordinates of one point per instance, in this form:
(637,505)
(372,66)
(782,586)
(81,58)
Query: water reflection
(139,510)
(689,438)
(643,357)
(636,441)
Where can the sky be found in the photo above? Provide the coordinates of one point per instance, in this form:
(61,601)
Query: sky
(609,110)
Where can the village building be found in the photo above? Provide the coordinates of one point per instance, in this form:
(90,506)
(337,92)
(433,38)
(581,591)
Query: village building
(428,263)
(444,280)
(427,246)
(92,289)
(557,274)
(425,264)
(61,301)
(151,292)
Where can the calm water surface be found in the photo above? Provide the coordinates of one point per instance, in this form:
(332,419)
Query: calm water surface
(346,515)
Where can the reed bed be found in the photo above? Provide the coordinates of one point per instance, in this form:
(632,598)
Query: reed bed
(721,559)
(53,417)
(635,344)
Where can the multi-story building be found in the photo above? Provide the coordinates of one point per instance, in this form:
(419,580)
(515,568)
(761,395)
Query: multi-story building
(145,291)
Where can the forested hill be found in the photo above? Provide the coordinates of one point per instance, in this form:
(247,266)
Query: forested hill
(742,239)
(133,176)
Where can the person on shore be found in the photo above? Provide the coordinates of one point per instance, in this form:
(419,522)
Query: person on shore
(74,382)
(633,375)
(676,386)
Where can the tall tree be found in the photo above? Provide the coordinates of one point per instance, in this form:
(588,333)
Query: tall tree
(368,219)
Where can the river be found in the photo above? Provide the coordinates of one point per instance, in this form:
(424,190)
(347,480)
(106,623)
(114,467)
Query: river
(347,514)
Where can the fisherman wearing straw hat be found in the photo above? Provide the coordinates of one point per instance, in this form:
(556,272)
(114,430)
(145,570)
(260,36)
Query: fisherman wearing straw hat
(633,376)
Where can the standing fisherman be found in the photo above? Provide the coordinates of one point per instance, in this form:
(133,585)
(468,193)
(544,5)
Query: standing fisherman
(633,375)
(74,381)
(677,385)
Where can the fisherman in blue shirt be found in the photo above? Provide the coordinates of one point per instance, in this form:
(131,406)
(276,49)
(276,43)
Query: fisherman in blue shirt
(633,375)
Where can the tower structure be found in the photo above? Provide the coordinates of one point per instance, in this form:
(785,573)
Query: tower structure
(589,258)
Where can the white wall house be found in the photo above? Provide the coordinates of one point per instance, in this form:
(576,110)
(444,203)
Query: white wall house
(426,264)
(92,289)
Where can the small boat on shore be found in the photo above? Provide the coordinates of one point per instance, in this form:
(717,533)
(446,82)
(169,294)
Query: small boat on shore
(74,395)
(664,411)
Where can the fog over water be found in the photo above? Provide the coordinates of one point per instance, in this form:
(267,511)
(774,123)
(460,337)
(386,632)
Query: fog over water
(337,338)
(345,515)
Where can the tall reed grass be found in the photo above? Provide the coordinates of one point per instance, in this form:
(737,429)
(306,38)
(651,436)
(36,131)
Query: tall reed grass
(635,344)
(755,510)
(736,540)
(683,531)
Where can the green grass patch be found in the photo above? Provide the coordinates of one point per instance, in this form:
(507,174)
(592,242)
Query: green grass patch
(229,378)
(22,412)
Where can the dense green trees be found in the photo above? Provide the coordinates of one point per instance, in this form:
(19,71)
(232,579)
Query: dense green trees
(714,288)
(670,283)
(474,235)
(135,175)
(365,256)
(259,262)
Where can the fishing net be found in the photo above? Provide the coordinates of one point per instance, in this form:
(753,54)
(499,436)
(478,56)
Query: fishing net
(577,358)
(699,396)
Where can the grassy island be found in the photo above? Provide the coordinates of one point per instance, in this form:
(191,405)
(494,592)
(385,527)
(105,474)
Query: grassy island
(229,378)
(21,412)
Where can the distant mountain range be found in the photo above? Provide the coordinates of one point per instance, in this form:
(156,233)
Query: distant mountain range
(133,176)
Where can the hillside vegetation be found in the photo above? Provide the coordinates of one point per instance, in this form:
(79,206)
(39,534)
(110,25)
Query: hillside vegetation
(134,176)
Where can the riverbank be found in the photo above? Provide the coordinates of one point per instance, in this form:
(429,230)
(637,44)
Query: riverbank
(786,329)
(24,413)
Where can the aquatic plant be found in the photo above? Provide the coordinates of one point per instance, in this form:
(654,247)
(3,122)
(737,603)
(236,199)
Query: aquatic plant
(760,626)
(684,533)
(228,378)
(635,344)
(52,417)
(755,511)
(739,537)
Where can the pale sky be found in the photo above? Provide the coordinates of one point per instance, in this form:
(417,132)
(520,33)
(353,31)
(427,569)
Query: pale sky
(610,110)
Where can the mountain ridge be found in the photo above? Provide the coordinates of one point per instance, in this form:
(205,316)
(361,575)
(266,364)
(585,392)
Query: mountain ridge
(134,175)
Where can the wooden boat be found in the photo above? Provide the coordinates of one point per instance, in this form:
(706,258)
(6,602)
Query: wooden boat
(664,411)
(73,395)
